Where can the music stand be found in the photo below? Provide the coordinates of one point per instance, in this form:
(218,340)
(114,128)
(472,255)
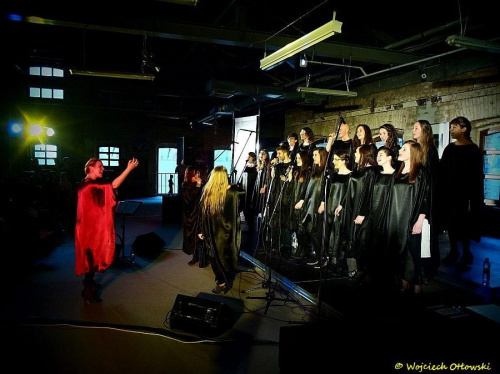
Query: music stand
(126,208)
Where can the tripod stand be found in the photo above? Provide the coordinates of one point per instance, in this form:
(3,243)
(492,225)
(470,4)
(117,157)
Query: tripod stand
(126,208)
(266,224)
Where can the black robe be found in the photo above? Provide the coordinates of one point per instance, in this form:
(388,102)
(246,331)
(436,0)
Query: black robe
(248,180)
(259,199)
(461,190)
(223,234)
(408,201)
(190,210)
(345,145)
(337,188)
(357,202)
(298,191)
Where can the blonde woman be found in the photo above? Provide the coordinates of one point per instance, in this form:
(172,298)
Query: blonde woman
(220,207)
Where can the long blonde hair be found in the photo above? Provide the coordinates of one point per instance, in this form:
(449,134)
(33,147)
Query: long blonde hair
(213,195)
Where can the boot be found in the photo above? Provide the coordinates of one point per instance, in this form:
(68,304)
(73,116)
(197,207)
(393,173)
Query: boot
(89,294)
(195,258)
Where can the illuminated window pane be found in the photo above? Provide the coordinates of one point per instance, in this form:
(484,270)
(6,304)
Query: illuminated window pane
(58,72)
(34,92)
(492,142)
(114,163)
(51,147)
(34,70)
(51,161)
(114,149)
(103,149)
(51,154)
(492,189)
(39,154)
(47,93)
(46,72)
(58,94)
(103,156)
(39,147)
(105,162)
(41,161)
(114,156)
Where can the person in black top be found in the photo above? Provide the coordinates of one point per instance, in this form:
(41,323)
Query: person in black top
(344,142)
(293,141)
(307,137)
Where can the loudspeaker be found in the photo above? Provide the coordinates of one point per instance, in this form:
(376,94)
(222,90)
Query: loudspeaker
(201,316)
(148,245)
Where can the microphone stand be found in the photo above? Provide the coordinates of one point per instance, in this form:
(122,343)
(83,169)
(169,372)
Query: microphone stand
(325,215)
(242,149)
(270,294)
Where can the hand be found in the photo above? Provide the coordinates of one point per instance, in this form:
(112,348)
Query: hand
(132,164)
(359,220)
(299,204)
(337,210)
(321,208)
(201,236)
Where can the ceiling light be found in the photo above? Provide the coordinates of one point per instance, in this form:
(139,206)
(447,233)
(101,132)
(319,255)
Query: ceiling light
(477,44)
(303,61)
(302,43)
(109,74)
(325,91)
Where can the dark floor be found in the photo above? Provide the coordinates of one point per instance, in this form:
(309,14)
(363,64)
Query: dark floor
(286,312)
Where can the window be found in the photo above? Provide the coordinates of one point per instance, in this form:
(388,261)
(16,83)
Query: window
(490,141)
(110,156)
(223,157)
(46,92)
(45,154)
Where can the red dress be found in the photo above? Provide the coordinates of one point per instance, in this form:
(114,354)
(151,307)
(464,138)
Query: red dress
(95,227)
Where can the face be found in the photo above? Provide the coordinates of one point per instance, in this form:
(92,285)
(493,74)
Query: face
(195,177)
(96,171)
(456,131)
(298,159)
(337,162)
(404,153)
(384,135)
(281,155)
(292,141)
(383,158)
(360,133)
(344,130)
(263,155)
(316,158)
(417,131)
(357,156)
(251,159)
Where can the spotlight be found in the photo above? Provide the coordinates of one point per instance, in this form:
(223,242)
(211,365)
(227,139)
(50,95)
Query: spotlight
(50,131)
(303,61)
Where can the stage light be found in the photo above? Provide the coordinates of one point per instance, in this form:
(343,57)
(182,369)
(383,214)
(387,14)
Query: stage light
(16,128)
(477,44)
(50,131)
(110,74)
(35,130)
(302,43)
(325,91)
(303,61)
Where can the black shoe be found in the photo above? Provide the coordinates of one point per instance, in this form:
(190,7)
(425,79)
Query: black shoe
(193,261)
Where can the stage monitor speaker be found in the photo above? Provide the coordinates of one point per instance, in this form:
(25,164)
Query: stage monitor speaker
(201,316)
(148,245)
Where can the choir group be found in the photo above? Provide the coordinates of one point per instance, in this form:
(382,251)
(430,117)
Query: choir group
(371,214)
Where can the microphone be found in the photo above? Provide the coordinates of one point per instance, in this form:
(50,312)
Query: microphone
(341,119)
(246,130)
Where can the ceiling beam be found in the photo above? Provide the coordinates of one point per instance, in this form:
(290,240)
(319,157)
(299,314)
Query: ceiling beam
(235,38)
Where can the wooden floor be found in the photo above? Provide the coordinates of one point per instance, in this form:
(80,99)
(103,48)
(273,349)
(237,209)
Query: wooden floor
(264,327)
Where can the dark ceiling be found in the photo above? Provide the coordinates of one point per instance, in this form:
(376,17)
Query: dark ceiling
(208,52)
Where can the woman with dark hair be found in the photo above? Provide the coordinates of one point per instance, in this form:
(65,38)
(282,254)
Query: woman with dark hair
(422,133)
(307,137)
(311,222)
(462,194)
(248,180)
(220,207)
(95,236)
(337,181)
(389,136)
(363,136)
(407,210)
(354,208)
(261,182)
(300,176)
(191,192)
(293,142)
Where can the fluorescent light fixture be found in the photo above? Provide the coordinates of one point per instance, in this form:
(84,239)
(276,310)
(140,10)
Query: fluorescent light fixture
(477,44)
(325,91)
(110,74)
(302,43)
